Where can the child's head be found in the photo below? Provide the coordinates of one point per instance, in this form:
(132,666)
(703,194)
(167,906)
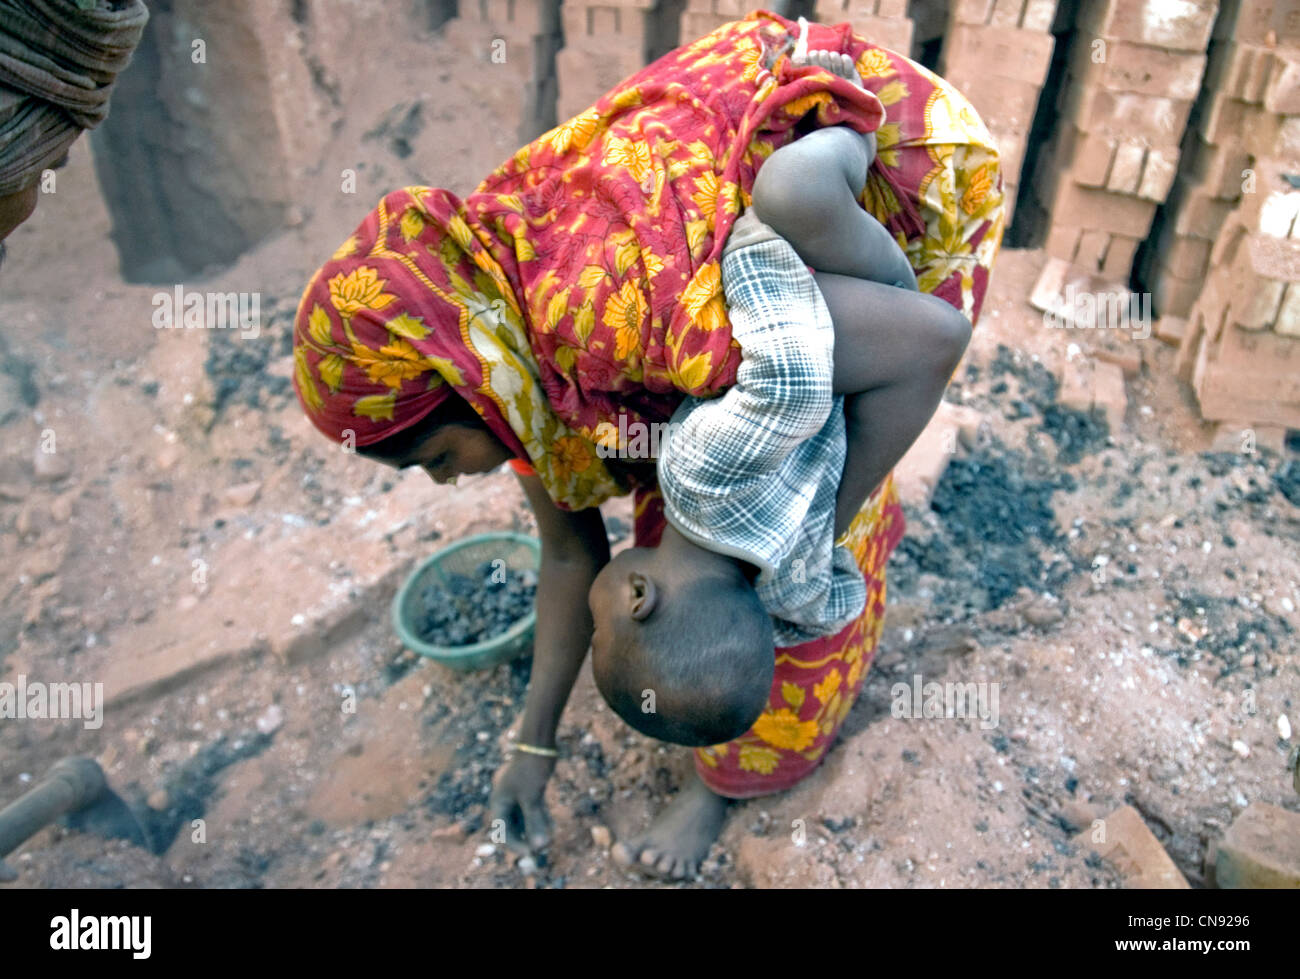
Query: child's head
(682,649)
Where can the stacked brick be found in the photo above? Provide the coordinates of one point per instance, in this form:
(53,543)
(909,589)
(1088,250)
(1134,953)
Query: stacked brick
(882,22)
(704,16)
(1249,109)
(1241,349)
(517,39)
(1132,75)
(997,53)
(603,44)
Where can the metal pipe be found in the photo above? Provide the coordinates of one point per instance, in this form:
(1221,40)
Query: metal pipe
(70,785)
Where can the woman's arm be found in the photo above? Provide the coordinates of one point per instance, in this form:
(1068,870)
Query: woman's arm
(574,548)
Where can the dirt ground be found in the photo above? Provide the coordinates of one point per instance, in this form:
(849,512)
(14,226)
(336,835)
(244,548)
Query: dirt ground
(226,574)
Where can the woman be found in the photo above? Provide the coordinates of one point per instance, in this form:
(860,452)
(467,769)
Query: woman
(578,288)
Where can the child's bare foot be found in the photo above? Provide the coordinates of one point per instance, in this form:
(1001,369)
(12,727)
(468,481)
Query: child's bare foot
(834,62)
(680,838)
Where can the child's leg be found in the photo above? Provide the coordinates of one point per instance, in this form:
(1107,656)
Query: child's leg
(807,191)
(895,348)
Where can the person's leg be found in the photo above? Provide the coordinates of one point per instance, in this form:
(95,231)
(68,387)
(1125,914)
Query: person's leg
(680,837)
(897,350)
(807,191)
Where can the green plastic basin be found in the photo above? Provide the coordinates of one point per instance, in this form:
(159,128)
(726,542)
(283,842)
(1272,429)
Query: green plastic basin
(519,551)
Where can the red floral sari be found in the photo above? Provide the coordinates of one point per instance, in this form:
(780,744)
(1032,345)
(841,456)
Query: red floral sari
(580,283)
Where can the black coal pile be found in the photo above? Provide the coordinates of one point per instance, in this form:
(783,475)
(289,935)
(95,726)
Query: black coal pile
(472,608)
(996,533)
(238,365)
(486,704)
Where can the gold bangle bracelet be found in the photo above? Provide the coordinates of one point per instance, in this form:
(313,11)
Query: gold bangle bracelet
(533,749)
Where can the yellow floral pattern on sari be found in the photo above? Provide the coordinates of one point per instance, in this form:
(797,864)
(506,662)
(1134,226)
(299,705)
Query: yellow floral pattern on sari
(580,282)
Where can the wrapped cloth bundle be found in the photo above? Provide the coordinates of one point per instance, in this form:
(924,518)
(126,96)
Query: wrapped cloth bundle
(58,62)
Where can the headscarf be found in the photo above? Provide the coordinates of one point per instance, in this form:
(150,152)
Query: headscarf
(58,62)
(580,282)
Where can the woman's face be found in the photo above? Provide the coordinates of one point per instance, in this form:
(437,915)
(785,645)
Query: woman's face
(454,450)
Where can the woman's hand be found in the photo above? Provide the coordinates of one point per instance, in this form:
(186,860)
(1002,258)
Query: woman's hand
(574,548)
(518,801)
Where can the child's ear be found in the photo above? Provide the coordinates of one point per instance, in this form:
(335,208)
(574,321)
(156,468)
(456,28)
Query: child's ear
(644,596)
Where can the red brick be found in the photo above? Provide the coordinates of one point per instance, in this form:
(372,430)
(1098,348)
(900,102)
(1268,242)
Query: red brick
(587,70)
(1221,399)
(1003,103)
(1225,121)
(1128,359)
(1118,262)
(1011,152)
(1076,386)
(1238,70)
(894,33)
(1283,91)
(971,11)
(696,24)
(1287,323)
(1092,248)
(1255,302)
(1084,207)
(1185,26)
(837,11)
(834,11)
(1249,375)
(1089,157)
(1217,169)
(1174,296)
(1190,346)
(1271,136)
(1126,171)
(1184,257)
(1008,52)
(1063,241)
(610,23)
(1039,15)
(518,17)
(1006,13)
(1158,171)
(1210,314)
(1258,19)
(1141,69)
(1133,850)
(1260,356)
(1170,329)
(1273,258)
(1159,120)
(1201,216)
(1229,241)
